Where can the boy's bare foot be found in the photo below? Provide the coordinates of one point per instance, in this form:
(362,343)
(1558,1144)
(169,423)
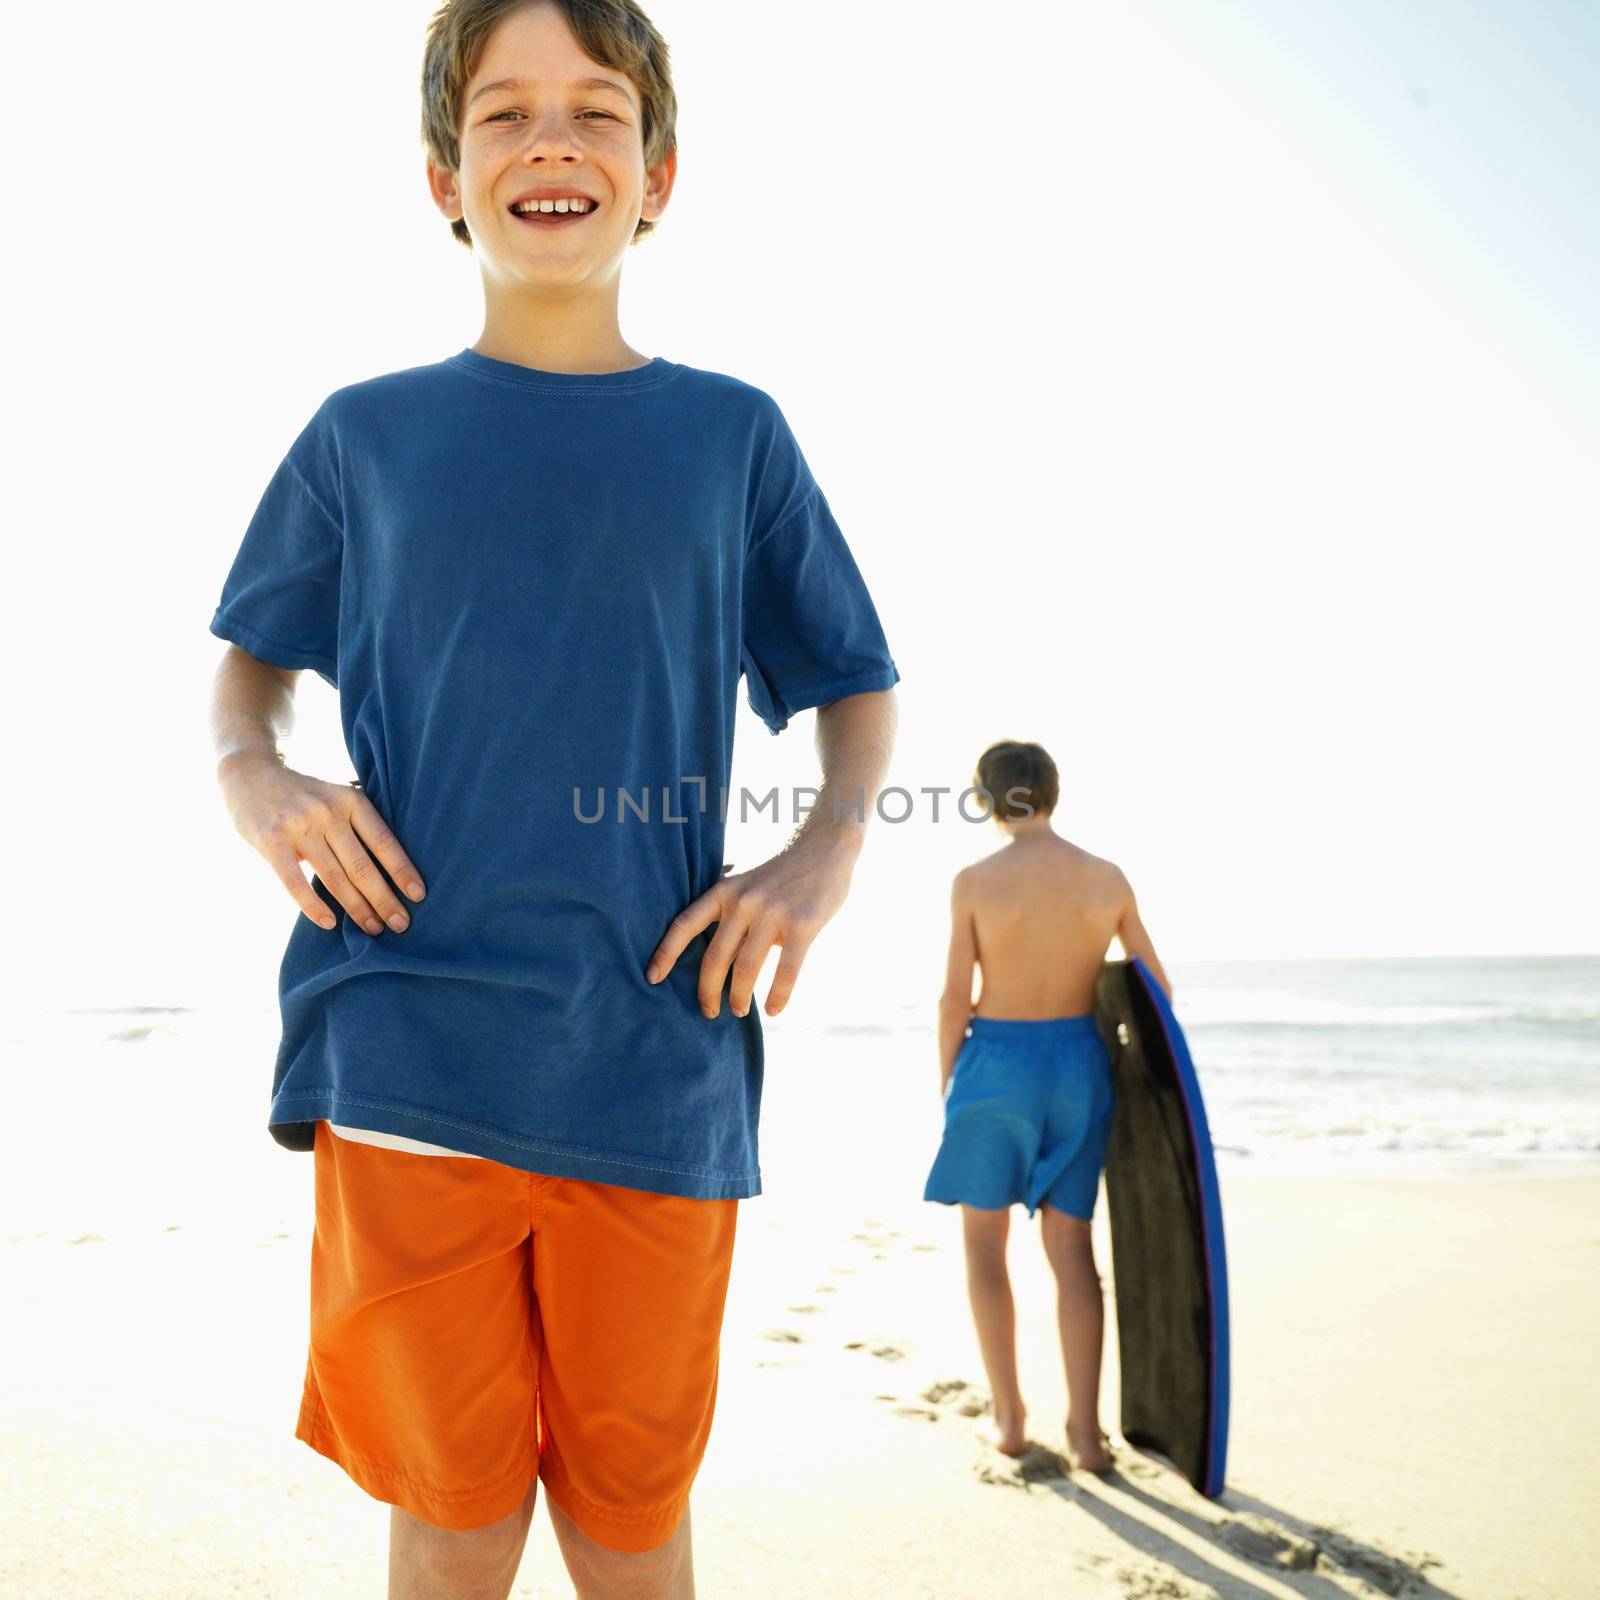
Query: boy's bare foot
(1089,1449)
(1003,1433)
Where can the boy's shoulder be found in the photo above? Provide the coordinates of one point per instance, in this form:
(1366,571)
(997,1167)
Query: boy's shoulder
(726,386)
(381,393)
(1000,864)
(734,415)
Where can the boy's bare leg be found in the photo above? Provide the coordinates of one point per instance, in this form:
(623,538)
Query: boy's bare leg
(598,1573)
(1080,1309)
(429,1563)
(994,1312)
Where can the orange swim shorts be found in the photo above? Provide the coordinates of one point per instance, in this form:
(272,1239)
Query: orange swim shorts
(474,1326)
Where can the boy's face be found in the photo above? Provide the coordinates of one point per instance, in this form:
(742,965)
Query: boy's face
(535,116)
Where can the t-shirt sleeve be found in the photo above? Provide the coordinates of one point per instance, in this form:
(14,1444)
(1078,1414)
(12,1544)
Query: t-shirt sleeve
(810,632)
(280,600)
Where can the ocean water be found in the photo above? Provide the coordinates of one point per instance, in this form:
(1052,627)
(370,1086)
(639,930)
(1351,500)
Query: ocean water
(1494,1058)
(1361,1067)
(1373,1066)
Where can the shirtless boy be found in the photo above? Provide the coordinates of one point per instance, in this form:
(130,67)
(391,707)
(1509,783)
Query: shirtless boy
(1028,1096)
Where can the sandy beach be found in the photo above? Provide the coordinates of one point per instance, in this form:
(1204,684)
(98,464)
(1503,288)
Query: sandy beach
(1414,1412)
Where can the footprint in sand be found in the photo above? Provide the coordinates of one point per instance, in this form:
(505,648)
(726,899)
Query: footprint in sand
(826,1288)
(970,1400)
(883,1349)
(782,1336)
(925,1413)
(1261,1540)
(1038,1463)
(1160,1583)
(844,1272)
(1390,1574)
(960,1396)
(879,1237)
(1137,1465)
(804,1310)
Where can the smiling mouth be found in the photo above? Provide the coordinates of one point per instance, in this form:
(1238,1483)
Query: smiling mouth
(553,219)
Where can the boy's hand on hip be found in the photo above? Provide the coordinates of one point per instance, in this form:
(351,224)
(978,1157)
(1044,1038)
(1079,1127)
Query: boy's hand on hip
(785,901)
(291,817)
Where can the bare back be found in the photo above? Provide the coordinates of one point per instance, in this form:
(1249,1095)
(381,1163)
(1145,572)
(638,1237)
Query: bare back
(1043,913)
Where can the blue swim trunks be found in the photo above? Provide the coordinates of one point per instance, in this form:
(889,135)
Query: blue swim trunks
(1027,1117)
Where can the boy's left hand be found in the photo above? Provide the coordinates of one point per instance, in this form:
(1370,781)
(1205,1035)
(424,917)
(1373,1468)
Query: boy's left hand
(785,901)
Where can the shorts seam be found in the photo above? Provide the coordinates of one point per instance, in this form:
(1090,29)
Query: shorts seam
(556,1478)
(320,1425)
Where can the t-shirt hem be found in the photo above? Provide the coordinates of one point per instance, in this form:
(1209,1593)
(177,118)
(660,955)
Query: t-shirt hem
(271,650)
(547,1156)
(885,677)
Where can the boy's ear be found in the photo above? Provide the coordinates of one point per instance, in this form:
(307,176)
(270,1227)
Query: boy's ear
(658,181)
(445,191)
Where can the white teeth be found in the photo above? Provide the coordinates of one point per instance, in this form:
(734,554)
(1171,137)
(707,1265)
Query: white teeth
(523,207)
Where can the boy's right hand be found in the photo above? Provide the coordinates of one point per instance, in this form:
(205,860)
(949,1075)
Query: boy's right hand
(291,817)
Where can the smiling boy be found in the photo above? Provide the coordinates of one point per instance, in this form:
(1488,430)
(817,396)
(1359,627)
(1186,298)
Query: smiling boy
(535,571)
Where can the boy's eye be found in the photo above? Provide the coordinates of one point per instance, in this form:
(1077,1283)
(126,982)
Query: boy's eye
(499,114)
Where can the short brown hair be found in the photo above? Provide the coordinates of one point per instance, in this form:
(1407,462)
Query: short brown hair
(616,33)
(1011,767)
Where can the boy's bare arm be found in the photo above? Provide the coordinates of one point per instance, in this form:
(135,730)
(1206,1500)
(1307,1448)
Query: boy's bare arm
(955,1002)
(291,817)
(788,900)
(1135,939)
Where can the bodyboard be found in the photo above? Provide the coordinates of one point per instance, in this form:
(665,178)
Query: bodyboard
(1167,1254)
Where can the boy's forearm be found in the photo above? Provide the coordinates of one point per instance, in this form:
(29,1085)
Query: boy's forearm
(1146,952)
(855,740)
(953,1022)
(252,709)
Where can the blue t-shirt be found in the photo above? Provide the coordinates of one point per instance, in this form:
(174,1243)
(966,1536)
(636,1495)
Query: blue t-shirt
(533,590)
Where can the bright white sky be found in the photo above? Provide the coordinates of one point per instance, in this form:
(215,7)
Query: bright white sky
(1208,392)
